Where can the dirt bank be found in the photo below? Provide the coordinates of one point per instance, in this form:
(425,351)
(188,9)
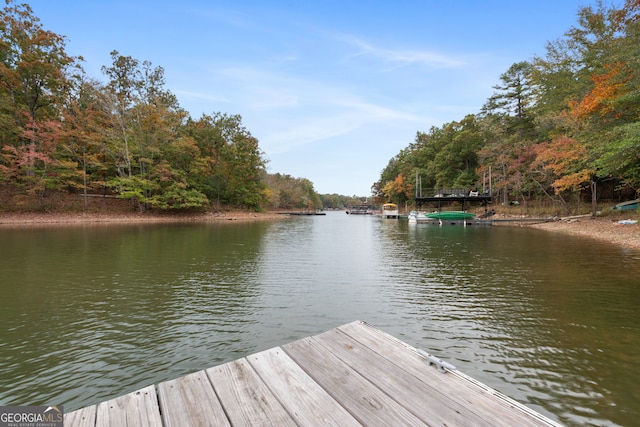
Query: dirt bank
(605,229)
(7,219)
(60,207)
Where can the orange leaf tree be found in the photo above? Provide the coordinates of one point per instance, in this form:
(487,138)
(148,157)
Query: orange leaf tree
(565,159)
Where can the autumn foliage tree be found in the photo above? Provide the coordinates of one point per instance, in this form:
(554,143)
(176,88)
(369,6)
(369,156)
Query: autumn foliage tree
(34,73)
(127,136)
(563,162)
(556,125)
(287,192)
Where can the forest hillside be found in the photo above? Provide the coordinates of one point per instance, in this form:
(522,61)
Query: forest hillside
(67,137)
(561,129)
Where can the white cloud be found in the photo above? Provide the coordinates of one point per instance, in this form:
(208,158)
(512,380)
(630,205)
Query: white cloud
(402,57)
(311,131)
(182,94)
(370,112)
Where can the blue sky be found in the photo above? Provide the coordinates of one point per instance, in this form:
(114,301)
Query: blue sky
(331,89)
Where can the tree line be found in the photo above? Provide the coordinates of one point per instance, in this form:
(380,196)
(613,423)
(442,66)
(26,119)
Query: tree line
(61,130)
(560,126)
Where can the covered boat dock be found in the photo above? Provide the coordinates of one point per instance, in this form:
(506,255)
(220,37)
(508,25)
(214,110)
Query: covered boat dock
(445,196)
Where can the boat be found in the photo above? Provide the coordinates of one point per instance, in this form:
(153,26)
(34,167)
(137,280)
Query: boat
(627,206)
(447,217)
(628,222)
(450,215)
(416,217)
(390,210)
(360,209)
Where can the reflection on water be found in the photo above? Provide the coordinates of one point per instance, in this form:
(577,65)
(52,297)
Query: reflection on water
(92,312)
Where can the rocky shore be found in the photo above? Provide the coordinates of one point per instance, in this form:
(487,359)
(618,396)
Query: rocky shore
(606,229)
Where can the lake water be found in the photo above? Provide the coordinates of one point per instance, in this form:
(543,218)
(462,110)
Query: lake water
(90,312)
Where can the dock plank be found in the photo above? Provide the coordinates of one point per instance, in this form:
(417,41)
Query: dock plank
(404,386)
(245,398)
(190,401)
(306,402)
(139,408)
(366,402)
(84,417)
(483,402)
(409,379)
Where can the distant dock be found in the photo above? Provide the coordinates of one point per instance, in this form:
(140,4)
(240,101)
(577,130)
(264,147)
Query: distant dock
(349,376)
(304,213)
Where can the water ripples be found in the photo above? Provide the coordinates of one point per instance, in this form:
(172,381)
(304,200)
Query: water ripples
(97,313)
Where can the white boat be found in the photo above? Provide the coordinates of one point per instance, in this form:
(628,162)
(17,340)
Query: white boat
(415,217)
(446,218)
(390,210)
(628,222)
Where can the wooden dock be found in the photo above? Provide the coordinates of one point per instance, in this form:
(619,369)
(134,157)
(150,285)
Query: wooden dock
(304,213)
(349,376)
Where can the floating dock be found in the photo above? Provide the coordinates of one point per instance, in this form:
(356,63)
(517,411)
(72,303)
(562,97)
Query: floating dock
(468,222)
(349,376)
(304,213)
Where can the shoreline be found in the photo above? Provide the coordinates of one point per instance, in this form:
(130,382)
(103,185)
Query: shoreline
(604,229)
(57,218)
